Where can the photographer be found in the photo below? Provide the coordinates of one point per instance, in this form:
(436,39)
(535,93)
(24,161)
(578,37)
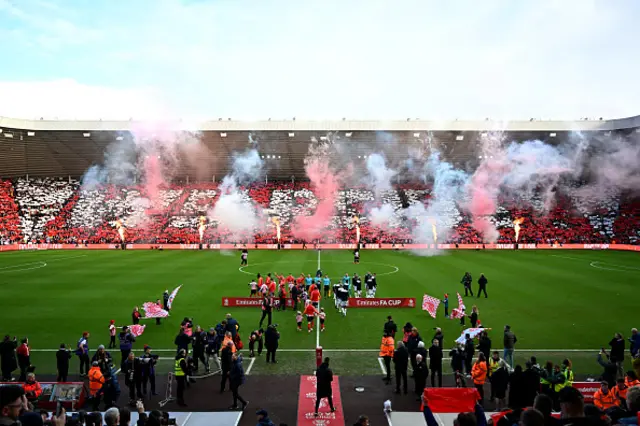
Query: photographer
(126,343)
(133,377)
(271,338)
(149,362)
(103,358)
(610,368)
(255,338)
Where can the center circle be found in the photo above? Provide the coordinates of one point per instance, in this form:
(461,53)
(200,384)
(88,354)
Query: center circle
(394,269)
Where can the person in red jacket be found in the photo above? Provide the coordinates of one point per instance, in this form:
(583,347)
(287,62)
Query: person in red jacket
(24,359)
(32,389)
(310,311)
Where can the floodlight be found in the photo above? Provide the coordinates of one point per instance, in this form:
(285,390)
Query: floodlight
(223,135)
(291,134)
(31,133)
(459,137)
(86,134)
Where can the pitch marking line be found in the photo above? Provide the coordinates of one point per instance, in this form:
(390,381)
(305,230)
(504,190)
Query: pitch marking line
(253,360)
(616,268)
(368,350)
(27,267)
(395,268)
(382,367)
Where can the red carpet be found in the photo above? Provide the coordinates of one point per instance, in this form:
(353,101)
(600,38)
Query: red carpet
(307,404)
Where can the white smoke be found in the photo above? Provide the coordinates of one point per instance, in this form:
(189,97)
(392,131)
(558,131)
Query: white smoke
(235,211)
(382,216)
(449,186)
(378,174)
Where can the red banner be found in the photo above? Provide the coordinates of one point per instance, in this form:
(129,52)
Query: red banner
(249,302)
(382,302)
(451,400)
(307,404)
(587,389)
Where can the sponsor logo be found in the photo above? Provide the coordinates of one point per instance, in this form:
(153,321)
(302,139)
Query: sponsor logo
(347,246)
(403,302)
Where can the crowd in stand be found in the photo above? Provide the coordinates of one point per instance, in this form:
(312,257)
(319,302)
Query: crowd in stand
(59,211)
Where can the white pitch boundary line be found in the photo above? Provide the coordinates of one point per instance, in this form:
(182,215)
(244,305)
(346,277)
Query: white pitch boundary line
(382,367)
(253,360)
(569,257)
(365,350)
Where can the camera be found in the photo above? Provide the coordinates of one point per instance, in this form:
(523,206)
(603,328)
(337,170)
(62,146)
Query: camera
(166,420)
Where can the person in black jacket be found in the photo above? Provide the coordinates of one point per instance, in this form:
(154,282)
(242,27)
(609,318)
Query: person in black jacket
(466,282)
(420,374)
(103,358)
(149,362)
(62,362)
(457,365)
(182,341)
(199,343)
(517,389)
(256,338)
(616,355)
(233,326)
(267,308)
(401,363)
(237,379)
(165,300)
(412,346)
(439,336)
(469,353)
(9,362)
(435,363)
(324,377)
(225,364)
(390,327)
(132,372)
(482,286)
(484,345)
(610,369)
(271,337)
(531,384)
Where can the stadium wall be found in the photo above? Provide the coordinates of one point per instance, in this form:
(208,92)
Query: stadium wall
(21,247)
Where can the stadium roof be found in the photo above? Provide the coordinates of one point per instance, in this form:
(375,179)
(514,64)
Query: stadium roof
(69,148)
(409,124)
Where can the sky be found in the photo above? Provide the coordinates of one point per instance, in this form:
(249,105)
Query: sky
(325,59)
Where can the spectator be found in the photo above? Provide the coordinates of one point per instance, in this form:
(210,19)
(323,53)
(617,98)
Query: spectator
(616,355)
(225,364)
(112,417)
(435,363)
(362,421)
(479,374)
(544,404)
(24,359)
(125,416)
(517,389)
(271,337)
(499,383)
(401,364)
(469,353)
(82,350)
(263,418)
(510,341)
(610,368)
(439,336)
(634,342)
(237,379)
(412,346)
(8,362)
(420,374)
(12,404)
(232,325)
(32,389)
(324,378)
(96,382)
(531,384)
(633,407)
(532,417)
(62,363)
(604,398)
(484,344)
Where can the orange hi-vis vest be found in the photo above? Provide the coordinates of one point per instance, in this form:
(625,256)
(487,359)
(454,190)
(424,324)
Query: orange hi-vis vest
(479,373)
(96,380)
(603,400)
(33,387)
(631,383)
(619,394)
(386,347)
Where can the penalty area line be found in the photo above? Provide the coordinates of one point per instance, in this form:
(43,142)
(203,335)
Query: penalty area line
(246,373)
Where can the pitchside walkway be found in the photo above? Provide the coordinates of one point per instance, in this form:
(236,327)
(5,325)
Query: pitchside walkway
(400,418)
(231,418)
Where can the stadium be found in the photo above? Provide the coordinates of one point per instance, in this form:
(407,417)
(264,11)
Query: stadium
(111,214)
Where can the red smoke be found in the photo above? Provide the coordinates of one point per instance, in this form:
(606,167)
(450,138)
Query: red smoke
(325,185)
(484,189)
(153,181)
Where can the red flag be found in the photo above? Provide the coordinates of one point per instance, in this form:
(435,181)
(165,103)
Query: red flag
(137,329)
(430,304)
(460,303)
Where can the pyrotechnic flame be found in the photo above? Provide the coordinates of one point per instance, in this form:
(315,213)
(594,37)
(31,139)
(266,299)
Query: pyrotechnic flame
(120,229)
(516,226)
(202,226)
(276,221)
(434,230)
(356,221)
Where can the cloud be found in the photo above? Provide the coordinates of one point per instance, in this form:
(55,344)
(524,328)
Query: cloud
(467,59)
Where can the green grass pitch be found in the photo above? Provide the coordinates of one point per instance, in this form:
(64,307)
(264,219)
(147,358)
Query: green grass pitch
(560,300)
